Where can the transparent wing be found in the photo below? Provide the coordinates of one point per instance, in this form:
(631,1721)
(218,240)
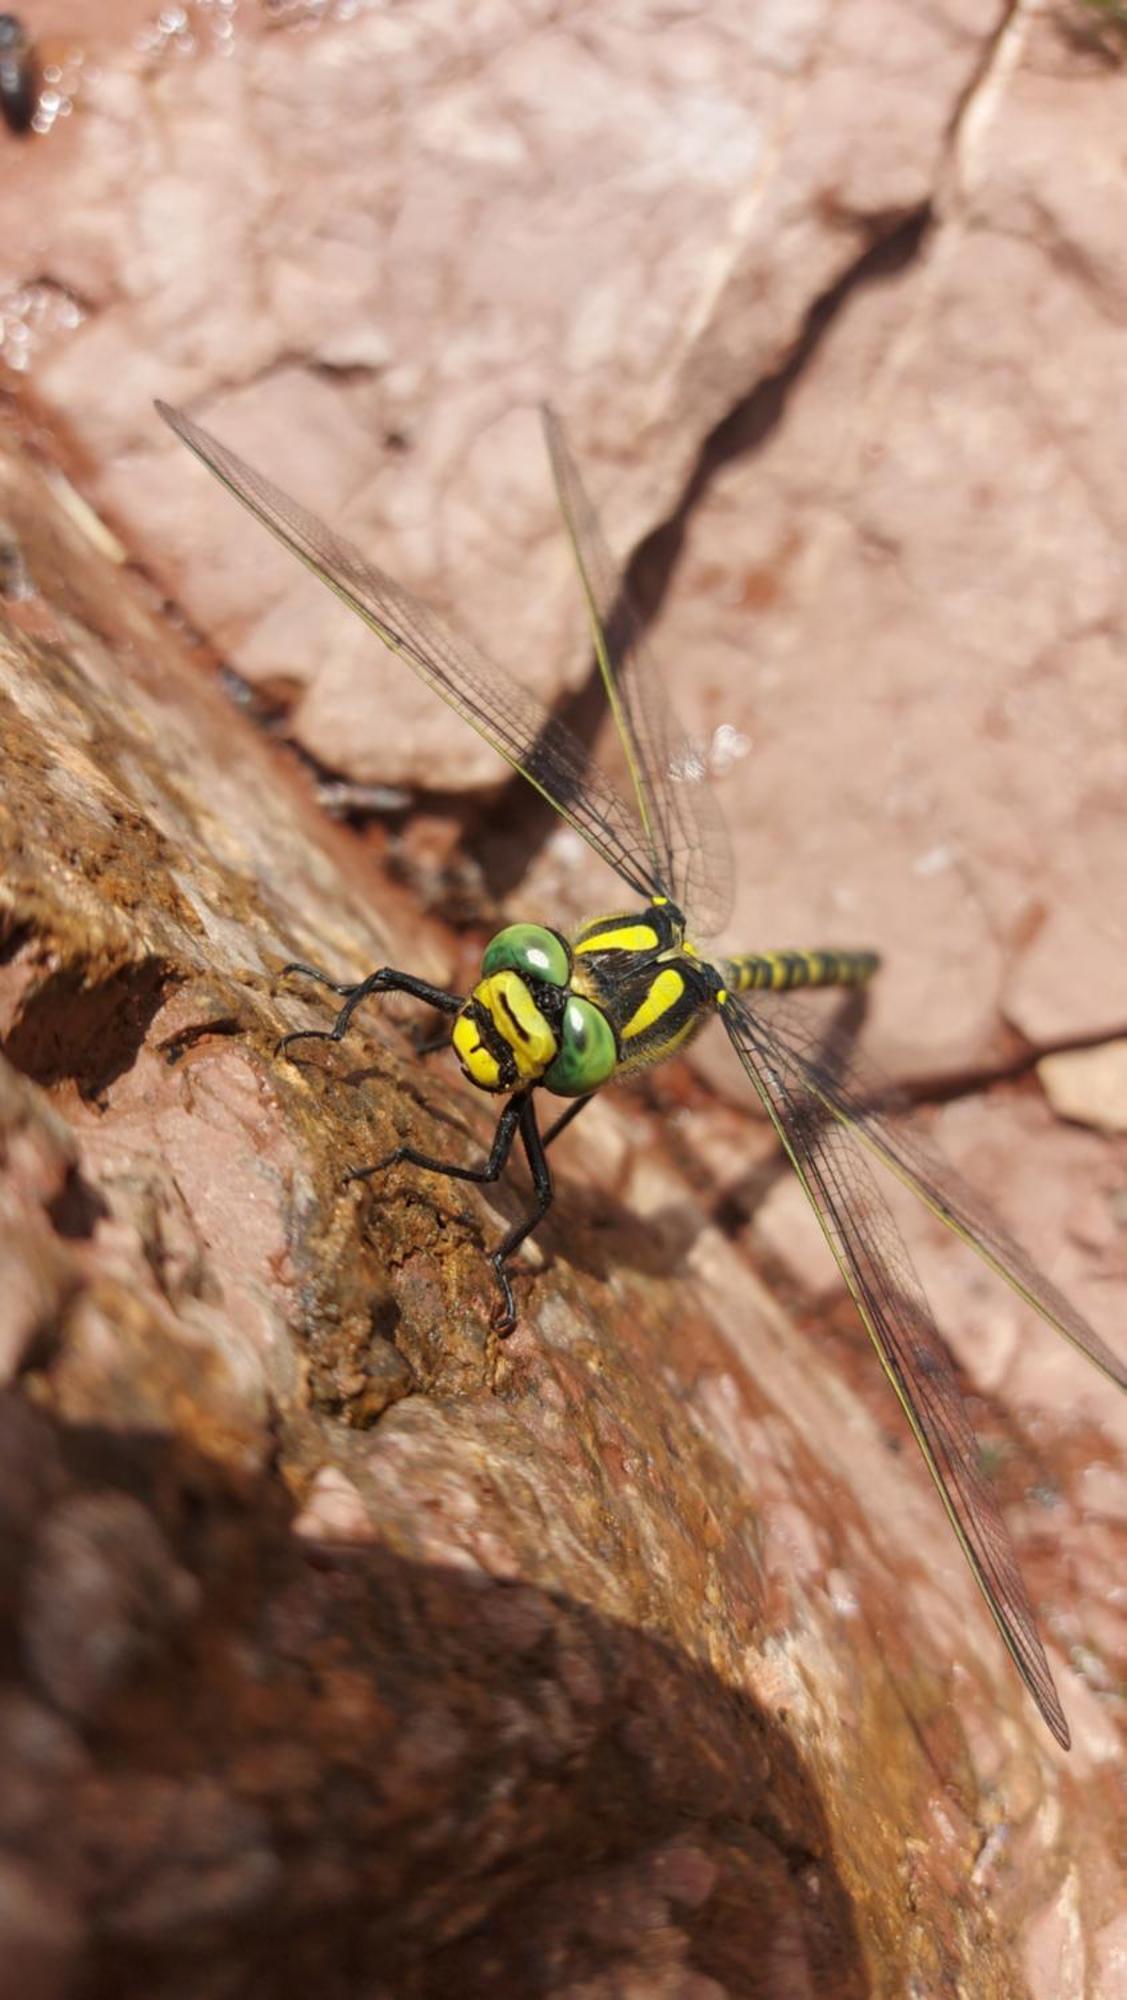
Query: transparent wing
(498,707)
(686,839)
(874,1262)
(868,1104)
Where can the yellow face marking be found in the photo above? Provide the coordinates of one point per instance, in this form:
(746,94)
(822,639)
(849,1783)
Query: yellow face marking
(631,937)
(518,1021)
(474,1057)
(664,993)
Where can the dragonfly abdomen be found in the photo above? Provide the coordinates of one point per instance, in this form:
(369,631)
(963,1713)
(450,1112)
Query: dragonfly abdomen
(782,971)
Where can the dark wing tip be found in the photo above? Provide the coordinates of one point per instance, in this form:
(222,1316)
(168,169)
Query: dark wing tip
(177,421)
(1060,1729)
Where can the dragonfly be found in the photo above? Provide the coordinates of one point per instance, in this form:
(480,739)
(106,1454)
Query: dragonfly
(568,1013)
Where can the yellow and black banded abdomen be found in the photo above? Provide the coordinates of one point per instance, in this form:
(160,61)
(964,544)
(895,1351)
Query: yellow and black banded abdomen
(783,971)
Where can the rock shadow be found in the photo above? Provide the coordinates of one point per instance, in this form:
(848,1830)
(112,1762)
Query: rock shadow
(243,1762)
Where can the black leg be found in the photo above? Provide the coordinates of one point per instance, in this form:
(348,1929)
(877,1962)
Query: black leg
(513,1116)
(494,1166)
(519,1115)
(384,981)
(542,1184)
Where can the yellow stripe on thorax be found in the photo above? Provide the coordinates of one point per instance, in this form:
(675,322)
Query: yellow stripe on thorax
(630,937)
(664,993)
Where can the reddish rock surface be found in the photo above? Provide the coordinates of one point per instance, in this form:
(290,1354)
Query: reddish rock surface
(346,1649)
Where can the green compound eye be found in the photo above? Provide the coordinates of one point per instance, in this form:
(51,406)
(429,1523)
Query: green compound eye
(588,1056)
(530,949)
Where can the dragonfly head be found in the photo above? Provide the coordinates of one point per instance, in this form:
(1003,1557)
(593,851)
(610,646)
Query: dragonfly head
(522,1024)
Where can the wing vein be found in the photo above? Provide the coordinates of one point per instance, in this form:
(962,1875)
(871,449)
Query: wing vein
(875,1264)
(506,714)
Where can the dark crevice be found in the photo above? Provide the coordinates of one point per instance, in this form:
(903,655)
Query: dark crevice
(77,1209)
(519,821)
(973,1081)
(177,1045)
(71,1030)
(14,936)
